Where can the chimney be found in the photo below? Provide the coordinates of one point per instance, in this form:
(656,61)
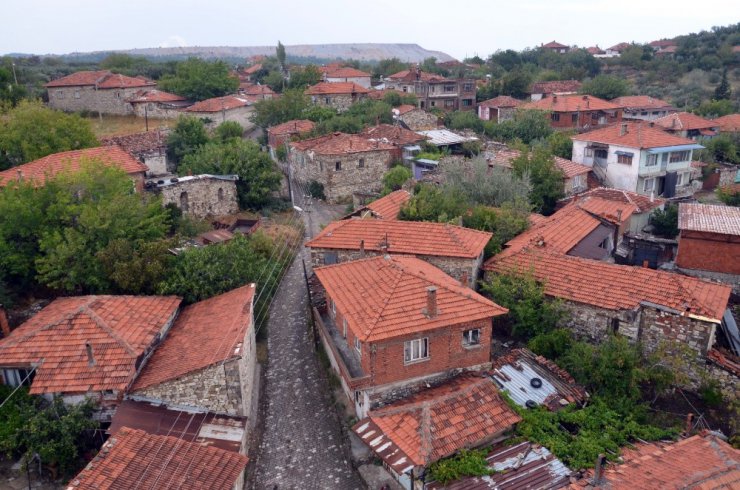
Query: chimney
(90,358)
(464,279)
(622,129)
(20,175)
(431,301)
(554,98)
(689,423)
(362,249)
(4,325)
(599,468)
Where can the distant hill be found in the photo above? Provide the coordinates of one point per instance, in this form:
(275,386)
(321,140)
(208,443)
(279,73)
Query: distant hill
(318,52)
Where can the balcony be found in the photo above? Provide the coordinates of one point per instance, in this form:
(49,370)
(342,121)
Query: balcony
(342,356)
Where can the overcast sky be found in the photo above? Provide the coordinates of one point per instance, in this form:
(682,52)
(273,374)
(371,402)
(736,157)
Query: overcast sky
(457,27)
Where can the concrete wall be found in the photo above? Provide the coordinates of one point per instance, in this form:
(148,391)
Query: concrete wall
(201,197)
(105,101)
(589,248)
(156,162)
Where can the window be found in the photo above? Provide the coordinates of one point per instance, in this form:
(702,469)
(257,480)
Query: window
(327,100)
(643,113)
(77,94)
(655,113)
(651,161)
(664,158)
(321,166)
(330,258)
(467,102)
(648,185)
(624,158)
(615,325)
(337,166)
(60,94)
(683,179)
(220,194)
(450,89)
(588,152)
(579,181)
(361,163)
(184,205)
(118,94)
(415,350)
(449,103)
(467,87)
(333,306)
(16,377)
(358,346)
(555,117)
(344,328)
(471,337)
(574,118)
(604,243)
(601,153)
(405,88)
(433,103)
(680,156)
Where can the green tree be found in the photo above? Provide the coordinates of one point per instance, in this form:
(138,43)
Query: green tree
(715,108)
(505,222)
(463,120)
(389,66)
(188,135)
(516,83)
(30,131)
(606,87)
(10,91)
(395,99)
(228,130)
(280,54)
(278,110)
(729,195)
(302,78)
(546,178)
(394,178)
(136,266)
(723,90)
(560,144)
(258,176)
(430,203)
(526,126)
(665,222)
(275,80)
(198,79)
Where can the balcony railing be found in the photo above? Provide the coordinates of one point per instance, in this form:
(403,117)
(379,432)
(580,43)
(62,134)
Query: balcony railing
(345,357)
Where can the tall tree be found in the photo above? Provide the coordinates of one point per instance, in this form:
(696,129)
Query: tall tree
(280,53)
(606,87)
(278,110)
(545,177)
(189,135)
(197,79)
(723,90)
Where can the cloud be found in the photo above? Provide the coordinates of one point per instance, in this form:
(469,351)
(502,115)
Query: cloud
(174,41)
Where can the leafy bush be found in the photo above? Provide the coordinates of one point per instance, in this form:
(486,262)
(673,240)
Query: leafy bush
(729,195)
(394,178)
(606,87)
(665,222)
(316,190)
(711,394)
(229,129)
(188,135)
(197,79)
(465,463)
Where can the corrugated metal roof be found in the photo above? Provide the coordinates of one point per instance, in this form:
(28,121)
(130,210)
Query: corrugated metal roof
(444,137)
(517,383)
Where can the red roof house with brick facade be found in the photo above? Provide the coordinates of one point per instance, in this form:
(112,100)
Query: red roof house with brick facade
(577,111)
(709,238)
(132,458)
(688,125)
(729,123)
(397,319)
(541,90)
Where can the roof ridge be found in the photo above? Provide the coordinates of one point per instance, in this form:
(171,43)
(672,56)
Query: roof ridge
(425,432)
(9,341)
(386,301)
(100,323)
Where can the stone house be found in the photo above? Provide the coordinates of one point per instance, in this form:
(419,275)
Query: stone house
(157,104)
(149,147)
(499,109)
(201,196)
(249,73)
(208,359)
(555,47)
(415,119)
(39,170)
(541,90)
(342,163)
(392,324)
(644,305)
(455,250)
(637,157)
(286,132)
(387,207)
(339,96)
(347,75)
(434,91)
(688,125)
(406,142)
(709,241)
(409,435)
(643,107)
(255,92)
(100,91)
(221,109)
(577,112)
(86,347)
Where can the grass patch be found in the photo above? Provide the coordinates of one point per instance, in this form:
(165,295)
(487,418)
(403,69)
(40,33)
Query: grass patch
(107,125)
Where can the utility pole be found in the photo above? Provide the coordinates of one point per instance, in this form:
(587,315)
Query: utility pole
(15,78)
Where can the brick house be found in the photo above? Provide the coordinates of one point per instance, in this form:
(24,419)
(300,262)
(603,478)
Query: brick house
(728,124)
(498,109)
(286,132)
(207,360)
(39,170)
(157,104)
(149,147)
(406,142)
(577,111)
(635,208)
(100,91)
(709,241)
(555,47)
(409,435)
(456,250)
(541,90)
(392,324)
(688,125)
(347,75)
(637,157)
(133,457)
(342,163)
(221,109)
(643,107)
(434,91)
(86,346)
(337,96)
(415,119)
(200,196)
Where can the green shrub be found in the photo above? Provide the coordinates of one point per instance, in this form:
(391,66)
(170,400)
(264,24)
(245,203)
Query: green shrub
(465,463)
(316,190)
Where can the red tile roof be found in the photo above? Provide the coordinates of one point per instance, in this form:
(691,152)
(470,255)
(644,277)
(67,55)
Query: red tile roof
(642,203)
(703,461)
(571,103)
(403,237)
(556,87)
(638,135)
(51,165)
(411,76)
(155,95)
(729,123)
(504,156)
(133,458)
(640,102)
(251,70)
(255,89)
(595,50)
(615,287)
(118,328)
(139,143)
(386,297)
(204,334)
(501,101)
(379,94)
(435,423)
(684,121)
(619,47)
(346,72)
(336,88)
(395,135)
(404,108)
(554,44)
(388,207)
(340,143)
(298,126)
(218,104)
(613,211)
(663,43)
(709,218)
(102,79)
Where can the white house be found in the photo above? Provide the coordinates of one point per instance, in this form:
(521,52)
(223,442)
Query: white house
(637,157)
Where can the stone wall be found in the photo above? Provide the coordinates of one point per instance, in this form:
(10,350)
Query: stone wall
(659,324)
(242,115)
(105,101)
(156,110)
(202,197)
(419,120)
(156,162)
(595,324)
(340,102)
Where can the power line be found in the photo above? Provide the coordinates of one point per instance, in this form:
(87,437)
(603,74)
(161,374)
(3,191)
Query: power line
(17,387)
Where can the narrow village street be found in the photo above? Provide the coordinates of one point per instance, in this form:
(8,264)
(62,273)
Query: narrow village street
(301,446)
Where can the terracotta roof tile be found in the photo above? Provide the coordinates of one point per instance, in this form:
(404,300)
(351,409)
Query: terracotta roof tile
(571,103)
(336,88)
(709,218)
(619,47)
(404,108)
(255,89)
(501,101)
(729,123)
(684,121)
(642,203)
(345,72)
(395,135)
(556,87)
(38,170)
(435,423)
(218,104)
(379,94)
(385,297)
(118,328)
(403,237)
(340,143)
(298,126)
(554,44)
(640,102)
(133,458)
(388,207)
(411,75)
(205,333)
(251,70)
(615,287)
(637,135)
(155,95)
(102,78)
